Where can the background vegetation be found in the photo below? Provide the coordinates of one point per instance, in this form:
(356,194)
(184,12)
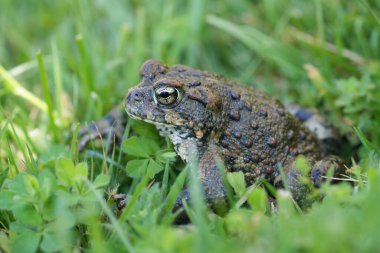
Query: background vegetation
(68,62)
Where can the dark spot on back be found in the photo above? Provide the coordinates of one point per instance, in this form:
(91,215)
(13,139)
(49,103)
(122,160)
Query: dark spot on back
(290,134)
(271,142)
(254,125)
(224,143)
(237,134)
(234,114)
(263,112)
(248,143)
(234,94)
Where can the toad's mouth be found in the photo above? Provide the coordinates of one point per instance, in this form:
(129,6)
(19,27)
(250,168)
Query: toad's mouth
(138,115)
(156,117)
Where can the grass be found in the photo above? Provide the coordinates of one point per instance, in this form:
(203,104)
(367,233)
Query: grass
(64,63)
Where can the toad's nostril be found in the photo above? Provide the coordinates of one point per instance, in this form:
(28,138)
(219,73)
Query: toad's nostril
(135,96)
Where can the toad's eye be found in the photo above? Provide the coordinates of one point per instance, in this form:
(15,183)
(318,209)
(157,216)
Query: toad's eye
(166,95)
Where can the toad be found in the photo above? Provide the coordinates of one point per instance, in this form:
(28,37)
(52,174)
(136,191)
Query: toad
(230,126)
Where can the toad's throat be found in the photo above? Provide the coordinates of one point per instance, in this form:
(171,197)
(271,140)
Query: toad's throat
(183,139)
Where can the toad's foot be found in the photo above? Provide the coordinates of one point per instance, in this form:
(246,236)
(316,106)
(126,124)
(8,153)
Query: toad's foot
(300,191)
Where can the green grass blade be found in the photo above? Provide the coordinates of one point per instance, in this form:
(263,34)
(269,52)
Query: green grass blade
(47,94)
(18,90)
(289,60)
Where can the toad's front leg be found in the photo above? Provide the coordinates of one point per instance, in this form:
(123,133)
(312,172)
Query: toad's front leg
(209,173)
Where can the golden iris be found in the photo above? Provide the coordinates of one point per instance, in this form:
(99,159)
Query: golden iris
(166,95)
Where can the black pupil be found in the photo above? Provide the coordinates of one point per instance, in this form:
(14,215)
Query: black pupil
(165,94)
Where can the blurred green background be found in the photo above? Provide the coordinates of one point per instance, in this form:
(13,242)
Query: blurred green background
(65,62)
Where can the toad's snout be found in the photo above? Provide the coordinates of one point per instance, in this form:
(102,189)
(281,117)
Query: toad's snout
(138,102)
(134,96)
